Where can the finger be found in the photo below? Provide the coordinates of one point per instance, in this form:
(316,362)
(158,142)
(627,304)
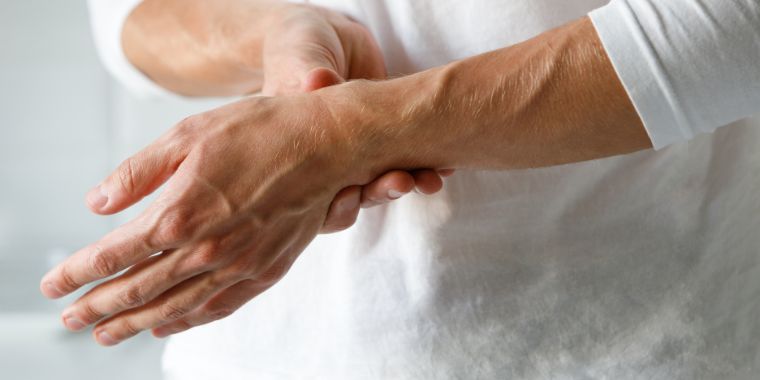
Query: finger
(427,181)
(390,186)
(88,309)
(343,211)
(135,178)
(150,278)
(138,286)
(309,77)
(182,299)
(287,70)
(220,306)
(170,306)
(229,300)
(118,250)
(320,77)
(366,60)
(446,172)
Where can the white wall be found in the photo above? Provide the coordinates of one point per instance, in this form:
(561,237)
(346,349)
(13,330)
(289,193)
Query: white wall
(63,126)
(54,140)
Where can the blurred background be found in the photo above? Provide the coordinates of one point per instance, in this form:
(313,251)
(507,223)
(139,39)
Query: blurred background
(64,124)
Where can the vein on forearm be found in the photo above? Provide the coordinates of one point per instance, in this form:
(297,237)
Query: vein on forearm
(199,48)
(551,100)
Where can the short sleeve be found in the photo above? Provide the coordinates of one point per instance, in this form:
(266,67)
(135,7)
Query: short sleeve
(689,66)
(107,18)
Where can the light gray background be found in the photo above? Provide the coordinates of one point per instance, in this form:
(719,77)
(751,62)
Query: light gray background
(63,125)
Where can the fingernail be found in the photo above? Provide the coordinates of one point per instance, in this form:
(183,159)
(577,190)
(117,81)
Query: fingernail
(161,332)
(97,197)
(393,194)
(105,338)
(51,291)
(74,324)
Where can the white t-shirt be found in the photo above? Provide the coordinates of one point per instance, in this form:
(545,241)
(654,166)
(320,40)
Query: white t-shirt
(644,266)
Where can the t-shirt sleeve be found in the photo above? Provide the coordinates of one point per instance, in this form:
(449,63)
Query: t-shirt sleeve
(689,66)
(107,18)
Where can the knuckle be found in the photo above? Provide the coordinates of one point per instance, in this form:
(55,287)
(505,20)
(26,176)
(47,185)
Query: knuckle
(190,123)
(101,265)
(216,282)
(181,325)
(185,131)
(216,313)
(129,327)
(175,226)
(241,269)
(132,297)
(90,314)
(126,175)
(205,258)
(67,281)
(170,312)
(270,276)
(174,230)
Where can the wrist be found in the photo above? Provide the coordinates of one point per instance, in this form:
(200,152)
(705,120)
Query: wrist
(390,124)
(551,100)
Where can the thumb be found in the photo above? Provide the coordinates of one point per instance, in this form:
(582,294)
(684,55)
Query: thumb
(320,77)
(290,72)
(134,179)
(279,81)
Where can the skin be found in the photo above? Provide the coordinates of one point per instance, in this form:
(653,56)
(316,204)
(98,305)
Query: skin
(229,229)
(236,47)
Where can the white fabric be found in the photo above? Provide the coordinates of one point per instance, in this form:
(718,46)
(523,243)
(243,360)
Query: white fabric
(689,66)
(107,19)
(643,266)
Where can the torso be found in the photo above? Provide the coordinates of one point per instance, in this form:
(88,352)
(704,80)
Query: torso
(639,266)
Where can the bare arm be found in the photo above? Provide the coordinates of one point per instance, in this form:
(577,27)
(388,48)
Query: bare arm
(554,99)
(197,47)
(551,100)
(236,47)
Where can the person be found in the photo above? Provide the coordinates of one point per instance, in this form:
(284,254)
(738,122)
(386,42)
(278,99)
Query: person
(563,247)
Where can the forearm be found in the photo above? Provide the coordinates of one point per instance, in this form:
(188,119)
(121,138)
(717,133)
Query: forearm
(197,47)
(552,100)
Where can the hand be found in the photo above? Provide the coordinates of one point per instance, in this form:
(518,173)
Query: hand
(309,48)
(249,186)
